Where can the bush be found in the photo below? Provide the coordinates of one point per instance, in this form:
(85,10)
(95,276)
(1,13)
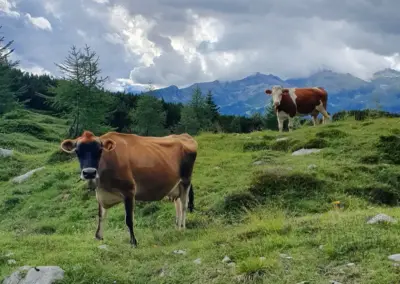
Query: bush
(370,159)
(254,146)
(294,191)
(313,143)
(27,127)
(238,202)
(331,134)
(379,194)
(283,145)
(59,156)
(389,146)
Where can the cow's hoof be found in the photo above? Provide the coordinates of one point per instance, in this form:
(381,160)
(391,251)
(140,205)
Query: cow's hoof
(99,238)
(134,243)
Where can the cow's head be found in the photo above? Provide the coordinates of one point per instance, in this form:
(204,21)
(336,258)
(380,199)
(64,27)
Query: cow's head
(88,149)
(276,93)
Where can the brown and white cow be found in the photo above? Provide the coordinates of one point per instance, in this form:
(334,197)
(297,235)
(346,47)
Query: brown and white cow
(127,167)
(289,102)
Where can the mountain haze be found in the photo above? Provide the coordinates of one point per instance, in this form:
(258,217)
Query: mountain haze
(246,96)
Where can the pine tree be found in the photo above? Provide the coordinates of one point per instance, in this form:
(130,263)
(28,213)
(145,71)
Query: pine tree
(271,121)
(8,99)
(149,116)
(189,122)
(212,107)
(81,93)
(236,126)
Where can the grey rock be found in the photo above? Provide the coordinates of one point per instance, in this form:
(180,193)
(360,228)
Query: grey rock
(24,177)
(283,255)
(381,218)
(6,153)
(179,252)
(334,282)
(197,261)
(105,247)
(258,163)
(282,139)
(312,167)
(35,275)
(231,264)
(302,152)
(395,257)
(226,259)
(11,261)
(350,264)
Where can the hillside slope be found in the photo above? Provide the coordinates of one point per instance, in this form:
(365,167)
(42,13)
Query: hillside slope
(246,95)
(252,199)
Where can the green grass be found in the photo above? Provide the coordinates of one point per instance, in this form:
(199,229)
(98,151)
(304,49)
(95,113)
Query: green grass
(242,210)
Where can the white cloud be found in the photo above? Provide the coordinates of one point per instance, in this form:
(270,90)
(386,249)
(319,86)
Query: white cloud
(36,70)
(181,42)
(101,1)
(7,7)
(134,33)
(39,22)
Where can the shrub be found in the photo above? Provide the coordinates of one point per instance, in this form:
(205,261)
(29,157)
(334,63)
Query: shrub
(254,146)
(283,145)
(331,134)
(379,194)
(59,156)
(389,146)
(238,202)
(293,190)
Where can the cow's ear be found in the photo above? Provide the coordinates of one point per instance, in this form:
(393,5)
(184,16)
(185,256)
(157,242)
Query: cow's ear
(108,144)
(68,146)
(268,92)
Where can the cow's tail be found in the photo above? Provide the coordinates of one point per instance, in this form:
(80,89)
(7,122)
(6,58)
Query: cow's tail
(191,198)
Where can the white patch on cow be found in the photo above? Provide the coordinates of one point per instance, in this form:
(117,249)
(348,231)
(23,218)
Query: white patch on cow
(101,222)
(292,94)
(174,192)
(281,116)
(322,110)
(90,170)
(276,93)
(107,199)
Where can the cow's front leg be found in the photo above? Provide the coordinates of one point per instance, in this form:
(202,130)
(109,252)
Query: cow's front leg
(102,213)
(281,116)
(290,124)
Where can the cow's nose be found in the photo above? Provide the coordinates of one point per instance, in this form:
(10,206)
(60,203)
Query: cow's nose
(276,104)
(89,173)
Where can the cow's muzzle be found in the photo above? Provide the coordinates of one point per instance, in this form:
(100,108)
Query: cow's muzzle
(89,174)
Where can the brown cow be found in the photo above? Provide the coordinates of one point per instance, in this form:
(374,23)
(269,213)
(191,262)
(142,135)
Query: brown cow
(127,167)
(289,102)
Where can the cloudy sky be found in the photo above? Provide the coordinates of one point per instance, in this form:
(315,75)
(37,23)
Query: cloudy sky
(181,42)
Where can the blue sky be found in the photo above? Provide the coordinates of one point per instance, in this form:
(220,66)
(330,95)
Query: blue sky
(181,42)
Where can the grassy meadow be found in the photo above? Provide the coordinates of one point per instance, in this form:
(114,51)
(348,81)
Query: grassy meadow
(270,212)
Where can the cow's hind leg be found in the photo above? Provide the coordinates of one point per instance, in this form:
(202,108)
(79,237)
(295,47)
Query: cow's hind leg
(184,188)
(178,211)
(322,110)
(128,202)
(102,213)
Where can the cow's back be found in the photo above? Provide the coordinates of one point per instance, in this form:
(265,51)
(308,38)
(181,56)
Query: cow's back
(308,98)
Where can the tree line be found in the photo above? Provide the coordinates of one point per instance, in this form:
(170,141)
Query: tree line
(79,96)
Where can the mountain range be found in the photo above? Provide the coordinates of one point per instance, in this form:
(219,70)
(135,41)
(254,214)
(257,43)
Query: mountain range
(345,91)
